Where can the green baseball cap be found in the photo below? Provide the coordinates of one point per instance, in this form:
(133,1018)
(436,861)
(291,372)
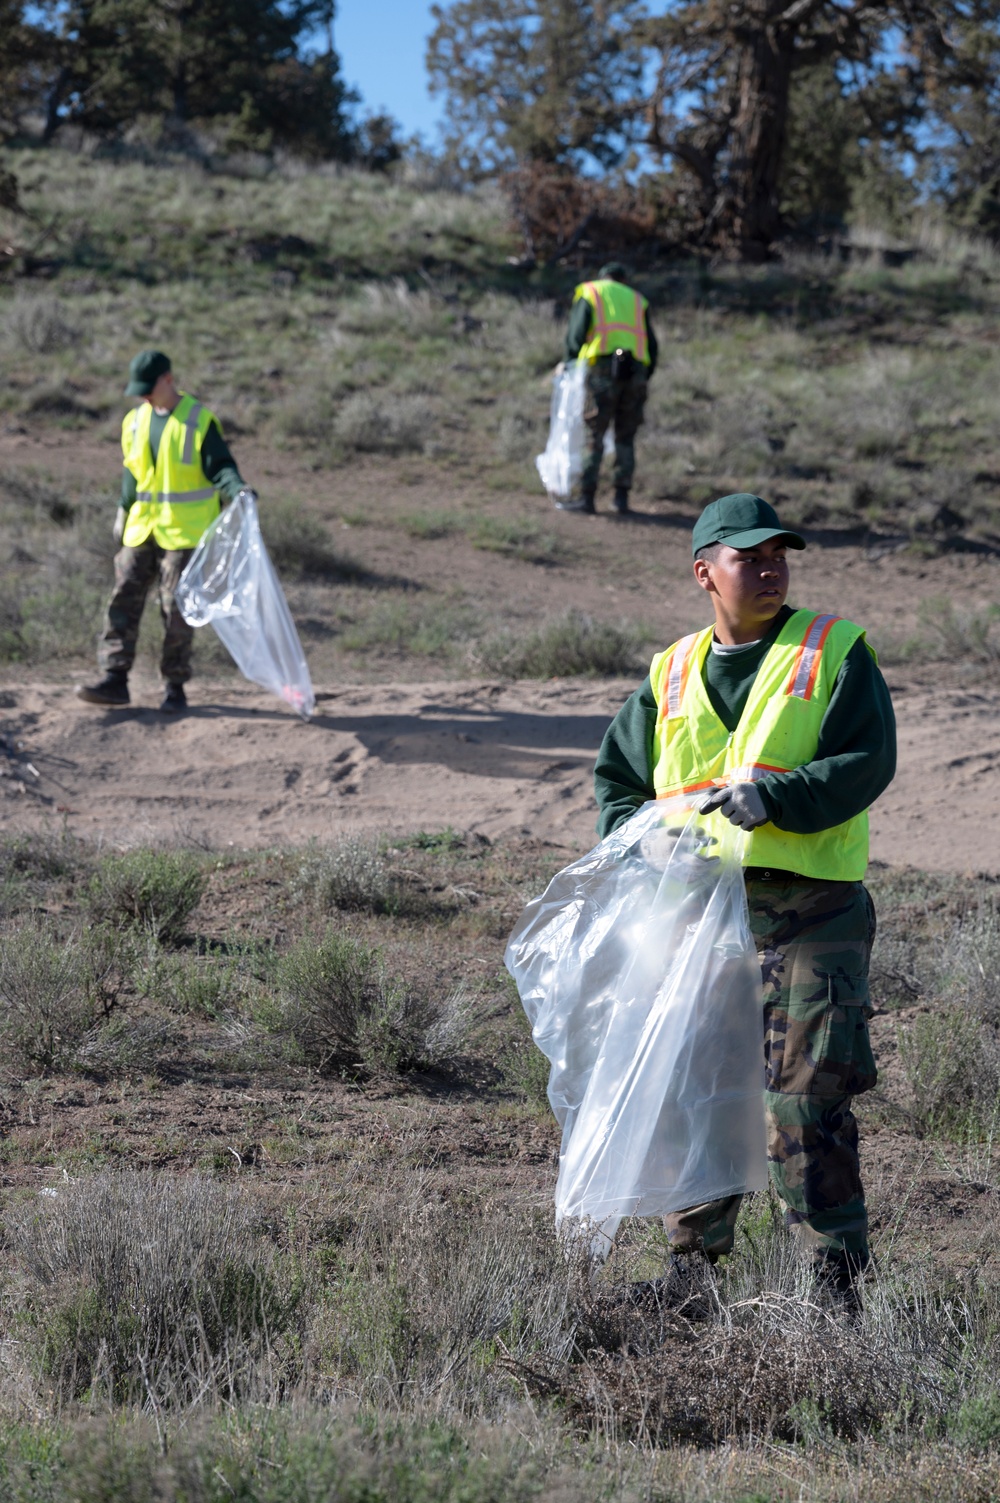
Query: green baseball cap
(144,372)
(740,521)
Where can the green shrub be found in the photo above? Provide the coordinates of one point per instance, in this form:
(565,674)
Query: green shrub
(573,644)
(383,422)
(154,890)
(299,543)
(150,1290)
(975,1424)
(430,630)
(125,1046)
(344,1010)
(40,323)
(951,1065)
(202,986)
(526,1070)
(54,992)
(429,524)
(40,857)
(520,537)
(960,634)
(351,874)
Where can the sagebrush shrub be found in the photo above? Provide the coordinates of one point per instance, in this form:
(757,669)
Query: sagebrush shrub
(384,423)
(352,874)
(344,1010)
(521,537)
(153,890)
(150,1290)
(41,324)
(54,992)
(299,543)
(574,644)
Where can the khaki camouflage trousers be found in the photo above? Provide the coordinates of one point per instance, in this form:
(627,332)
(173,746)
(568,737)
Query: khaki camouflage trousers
(607,401)
(135,570)
(814,941)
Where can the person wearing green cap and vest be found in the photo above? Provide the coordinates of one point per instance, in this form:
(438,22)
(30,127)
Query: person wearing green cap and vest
(178,472)
(778,720)
(610,328)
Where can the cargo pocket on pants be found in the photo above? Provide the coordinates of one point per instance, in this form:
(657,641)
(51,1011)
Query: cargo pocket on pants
(820,1046)
(845,1064)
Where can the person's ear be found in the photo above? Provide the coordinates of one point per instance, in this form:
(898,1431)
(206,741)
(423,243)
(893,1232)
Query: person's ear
(703,574)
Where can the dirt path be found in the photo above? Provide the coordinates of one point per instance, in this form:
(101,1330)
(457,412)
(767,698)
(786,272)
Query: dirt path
(498,759)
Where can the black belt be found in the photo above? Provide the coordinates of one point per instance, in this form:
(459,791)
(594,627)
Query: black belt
(771,874)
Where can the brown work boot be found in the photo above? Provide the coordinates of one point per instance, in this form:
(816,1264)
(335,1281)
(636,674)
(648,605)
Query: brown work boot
(112,690)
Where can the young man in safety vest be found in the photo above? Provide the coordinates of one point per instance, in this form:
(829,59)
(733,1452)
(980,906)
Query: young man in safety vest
(779,721)
(178,473)
(609,328)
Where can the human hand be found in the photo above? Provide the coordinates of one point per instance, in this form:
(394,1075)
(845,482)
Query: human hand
(560,369)
(740,803)
(118,528)
(691,865)
(657,846)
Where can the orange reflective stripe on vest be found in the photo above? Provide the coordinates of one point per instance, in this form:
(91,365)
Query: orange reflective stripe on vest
(604,326)
(803,679)
(778,731)
(680,667)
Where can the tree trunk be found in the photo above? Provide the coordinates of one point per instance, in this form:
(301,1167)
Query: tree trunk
(53,104)
(757,141)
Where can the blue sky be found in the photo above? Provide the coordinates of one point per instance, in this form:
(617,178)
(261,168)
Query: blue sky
(381,46)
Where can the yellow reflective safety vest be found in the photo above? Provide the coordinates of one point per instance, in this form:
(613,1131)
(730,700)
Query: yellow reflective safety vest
(778,730)
(173,501)
(619,320)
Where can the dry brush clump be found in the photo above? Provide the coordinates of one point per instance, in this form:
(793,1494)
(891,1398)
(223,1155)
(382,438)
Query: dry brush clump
(425,1304)
(150,1291)
(754,1353)
(156,891)
(385,422)
(338,1000)
(352,874)
(570,645)
(56,993)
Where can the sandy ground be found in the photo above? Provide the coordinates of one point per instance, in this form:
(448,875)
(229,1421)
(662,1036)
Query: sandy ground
(240,770)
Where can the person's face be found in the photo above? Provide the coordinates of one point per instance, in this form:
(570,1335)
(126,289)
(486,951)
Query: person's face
(164,393)
(749,585)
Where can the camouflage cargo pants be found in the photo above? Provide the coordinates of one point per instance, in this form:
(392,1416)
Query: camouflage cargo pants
(607,401)
(814,940)
(135,570)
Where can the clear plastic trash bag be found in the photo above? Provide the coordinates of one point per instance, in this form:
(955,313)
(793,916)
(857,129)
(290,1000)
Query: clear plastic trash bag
(562,463)
(230,584)
(642,985)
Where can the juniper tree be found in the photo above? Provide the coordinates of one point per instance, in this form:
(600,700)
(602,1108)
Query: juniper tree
(551,82)
(195,60)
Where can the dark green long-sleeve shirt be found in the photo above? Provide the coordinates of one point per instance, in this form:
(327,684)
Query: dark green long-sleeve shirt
(580,318)
(216,461)
(855,759)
